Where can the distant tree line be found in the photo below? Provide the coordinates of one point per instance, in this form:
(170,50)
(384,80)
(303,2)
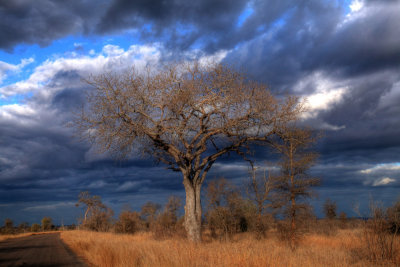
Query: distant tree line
(231,211)
(46,224)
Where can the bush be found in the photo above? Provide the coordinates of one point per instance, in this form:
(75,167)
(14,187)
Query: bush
(35,227)
(100,221)
(393,214)
(377,238)
(330,209)
(128,222)
(227,212)
(46,223)
(167,223)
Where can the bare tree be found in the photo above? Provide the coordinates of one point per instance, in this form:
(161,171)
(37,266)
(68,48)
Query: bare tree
(149,213)
(259,191)
(92,203)
(97,215)
(225,210)
(186,116)
(295,183)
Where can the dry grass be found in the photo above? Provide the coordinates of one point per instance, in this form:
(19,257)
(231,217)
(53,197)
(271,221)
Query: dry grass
(4,237)
(107,249)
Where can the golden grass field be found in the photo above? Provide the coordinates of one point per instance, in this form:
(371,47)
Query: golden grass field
(108,249)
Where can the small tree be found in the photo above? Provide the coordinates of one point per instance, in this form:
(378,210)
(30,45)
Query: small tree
(149,213)
(92,203)
(46,223)
(259,191)
(330,209)
(295,183)
(186,116)
(97,216)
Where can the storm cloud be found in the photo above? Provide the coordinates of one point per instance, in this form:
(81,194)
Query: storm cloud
(342,56)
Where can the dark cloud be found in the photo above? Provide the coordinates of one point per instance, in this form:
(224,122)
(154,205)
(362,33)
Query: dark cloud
(41,22)
(302,47)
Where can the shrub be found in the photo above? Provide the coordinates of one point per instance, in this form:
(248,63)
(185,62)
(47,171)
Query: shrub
(377,239)
(46,223)
(330,209)
(128,222)
(35,227)
(166,224)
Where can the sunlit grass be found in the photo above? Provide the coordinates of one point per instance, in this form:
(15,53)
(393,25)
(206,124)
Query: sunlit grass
(107,249)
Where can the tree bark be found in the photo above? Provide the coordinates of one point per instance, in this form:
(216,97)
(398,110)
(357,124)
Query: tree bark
(192,210)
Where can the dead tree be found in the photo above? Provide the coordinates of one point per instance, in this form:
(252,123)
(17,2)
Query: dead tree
(295,184)
(186,116)
(259,190)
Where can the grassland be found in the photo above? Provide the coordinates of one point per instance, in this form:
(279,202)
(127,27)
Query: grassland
(108,249)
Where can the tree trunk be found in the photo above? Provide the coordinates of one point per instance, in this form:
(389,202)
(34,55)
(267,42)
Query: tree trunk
(192,210)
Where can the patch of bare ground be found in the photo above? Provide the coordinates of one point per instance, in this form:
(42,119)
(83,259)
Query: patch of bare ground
(108,249)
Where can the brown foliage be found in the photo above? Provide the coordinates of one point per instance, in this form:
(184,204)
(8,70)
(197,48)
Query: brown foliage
(380,242)
(330,209)
(149,214)
(226,210)
(128,222)
(167,223)
(46,223)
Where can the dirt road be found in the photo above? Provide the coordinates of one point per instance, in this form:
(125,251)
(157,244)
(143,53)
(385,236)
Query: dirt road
(37,250)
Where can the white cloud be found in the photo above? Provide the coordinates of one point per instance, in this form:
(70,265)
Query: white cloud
(382,167)
(18,114)
(326,93)
(356,5)
(50,206)
(111,58)
(6,68)
(130,185)
(232,167)
(383,181)
(327,126)
(324,99)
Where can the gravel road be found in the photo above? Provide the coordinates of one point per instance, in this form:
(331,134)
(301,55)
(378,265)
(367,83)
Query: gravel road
(37,250)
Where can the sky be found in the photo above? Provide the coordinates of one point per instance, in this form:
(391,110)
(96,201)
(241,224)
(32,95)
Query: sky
(342,56)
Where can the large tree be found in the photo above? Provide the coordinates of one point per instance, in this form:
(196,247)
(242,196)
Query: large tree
(185,115)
